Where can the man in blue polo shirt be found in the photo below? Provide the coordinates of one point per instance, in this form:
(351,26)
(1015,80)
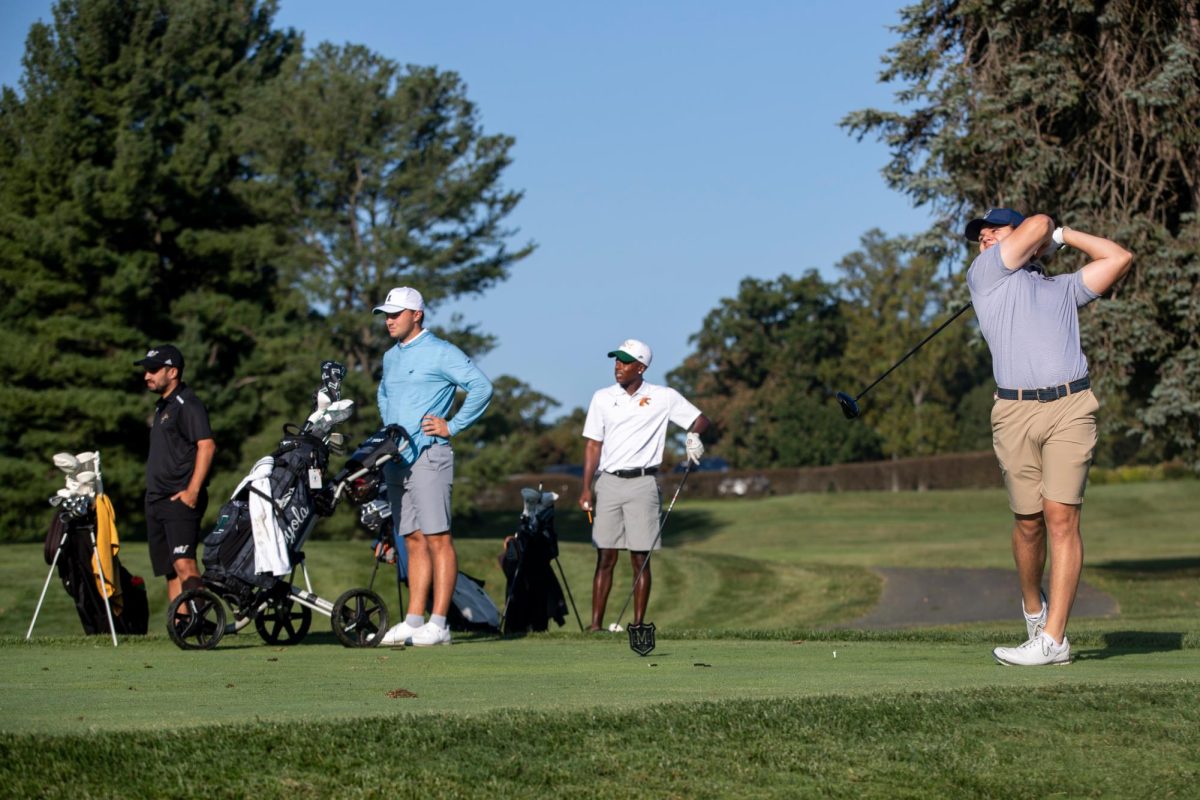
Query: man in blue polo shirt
(1044,416)
(181,453)
(421,374)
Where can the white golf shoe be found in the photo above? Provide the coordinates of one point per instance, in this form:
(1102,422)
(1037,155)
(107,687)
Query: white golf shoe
(1035,624)
(429,634)
(401,633)
(1039,651)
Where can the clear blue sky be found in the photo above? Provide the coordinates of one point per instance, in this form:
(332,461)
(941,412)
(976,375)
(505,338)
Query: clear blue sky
(666,150)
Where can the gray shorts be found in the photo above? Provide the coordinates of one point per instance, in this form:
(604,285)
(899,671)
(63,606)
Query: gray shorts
(626,513)
(420,494)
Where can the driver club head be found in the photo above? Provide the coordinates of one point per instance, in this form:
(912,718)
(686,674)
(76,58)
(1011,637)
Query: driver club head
(849,405)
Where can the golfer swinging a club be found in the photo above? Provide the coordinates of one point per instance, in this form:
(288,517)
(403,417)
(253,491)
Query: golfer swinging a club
(1044,415)
(626,431)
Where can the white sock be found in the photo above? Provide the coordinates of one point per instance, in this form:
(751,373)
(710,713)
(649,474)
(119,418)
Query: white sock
(414,620)
(438,620)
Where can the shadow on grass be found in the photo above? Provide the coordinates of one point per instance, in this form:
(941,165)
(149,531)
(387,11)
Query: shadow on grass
(683,526)
(1133,643)
(1153,569)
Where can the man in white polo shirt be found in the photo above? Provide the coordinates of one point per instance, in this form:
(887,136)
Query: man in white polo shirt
(626,431)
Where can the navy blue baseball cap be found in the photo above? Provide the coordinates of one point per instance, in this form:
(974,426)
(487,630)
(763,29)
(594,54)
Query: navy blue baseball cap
(994,218)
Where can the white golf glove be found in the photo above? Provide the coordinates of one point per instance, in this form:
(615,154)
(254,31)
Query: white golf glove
(694,447)
(1052,247)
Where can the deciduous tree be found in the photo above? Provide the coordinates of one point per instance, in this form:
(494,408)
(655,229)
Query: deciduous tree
(760,371)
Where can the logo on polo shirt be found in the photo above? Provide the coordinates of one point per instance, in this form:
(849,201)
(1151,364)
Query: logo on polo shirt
(166,416)
(645,401)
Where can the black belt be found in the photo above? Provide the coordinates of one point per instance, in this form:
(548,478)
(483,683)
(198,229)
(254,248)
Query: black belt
(1047,395)
(634,473)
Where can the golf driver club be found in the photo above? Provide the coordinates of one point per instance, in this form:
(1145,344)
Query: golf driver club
(687,471)
(850,404)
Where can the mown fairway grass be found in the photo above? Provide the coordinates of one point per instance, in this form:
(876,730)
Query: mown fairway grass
(743,697)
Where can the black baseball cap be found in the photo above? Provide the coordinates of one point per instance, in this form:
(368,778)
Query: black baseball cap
(159,356)
(994,218)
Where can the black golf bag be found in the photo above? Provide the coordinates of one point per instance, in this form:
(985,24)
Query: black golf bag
(253,554)
(533,595)
(229,550)
(70,537)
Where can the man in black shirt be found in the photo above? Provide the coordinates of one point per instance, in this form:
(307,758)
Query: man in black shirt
(181,452)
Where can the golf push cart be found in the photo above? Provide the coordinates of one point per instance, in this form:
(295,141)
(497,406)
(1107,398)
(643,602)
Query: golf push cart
(253,553)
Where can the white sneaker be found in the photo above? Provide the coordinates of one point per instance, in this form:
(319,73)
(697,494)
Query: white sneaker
(1035,624)
(1039,651)
(401,633)
(429,634)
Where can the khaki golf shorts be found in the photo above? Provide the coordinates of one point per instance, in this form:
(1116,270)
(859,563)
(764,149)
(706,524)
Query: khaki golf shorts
(1045,449)
(626,513)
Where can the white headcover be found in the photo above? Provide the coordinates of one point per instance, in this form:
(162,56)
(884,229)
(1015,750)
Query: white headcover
(82,474)
(536,500)
(323,419)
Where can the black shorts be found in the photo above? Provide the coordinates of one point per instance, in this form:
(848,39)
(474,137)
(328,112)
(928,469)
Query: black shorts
(173,531)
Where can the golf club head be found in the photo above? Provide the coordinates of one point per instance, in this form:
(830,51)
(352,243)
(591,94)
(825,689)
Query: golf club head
(641,638)
(849,405)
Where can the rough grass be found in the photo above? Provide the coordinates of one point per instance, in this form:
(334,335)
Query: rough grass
(989,742)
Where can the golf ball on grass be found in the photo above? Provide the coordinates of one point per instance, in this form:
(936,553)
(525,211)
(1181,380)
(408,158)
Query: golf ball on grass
(615,628)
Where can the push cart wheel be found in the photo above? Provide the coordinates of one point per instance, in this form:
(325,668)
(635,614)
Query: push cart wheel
(283,622)
(359,618)
(196,620)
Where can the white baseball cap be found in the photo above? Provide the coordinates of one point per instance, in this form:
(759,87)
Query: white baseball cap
(400,298)
(633,350)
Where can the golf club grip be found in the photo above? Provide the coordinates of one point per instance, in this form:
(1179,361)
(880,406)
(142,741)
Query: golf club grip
(922,343)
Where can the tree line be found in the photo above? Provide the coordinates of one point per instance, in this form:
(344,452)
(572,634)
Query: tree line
(183,170)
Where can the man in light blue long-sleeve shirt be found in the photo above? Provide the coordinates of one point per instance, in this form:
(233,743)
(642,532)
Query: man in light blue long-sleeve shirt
(420,377)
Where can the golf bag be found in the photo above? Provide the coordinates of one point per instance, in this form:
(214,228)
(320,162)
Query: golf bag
(260,531)
(82,543)
(471,609)
(533,596)
(254,553)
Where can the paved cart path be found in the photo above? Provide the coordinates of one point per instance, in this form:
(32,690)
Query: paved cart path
(919,596)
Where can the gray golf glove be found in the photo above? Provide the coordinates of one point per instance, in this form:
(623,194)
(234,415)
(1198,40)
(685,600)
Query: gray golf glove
(694,447)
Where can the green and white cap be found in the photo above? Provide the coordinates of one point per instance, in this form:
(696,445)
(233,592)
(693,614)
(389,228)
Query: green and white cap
(633,350)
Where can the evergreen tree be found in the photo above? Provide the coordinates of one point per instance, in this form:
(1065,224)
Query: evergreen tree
(1085,111)
(125,222)
(178,171)
(389,180)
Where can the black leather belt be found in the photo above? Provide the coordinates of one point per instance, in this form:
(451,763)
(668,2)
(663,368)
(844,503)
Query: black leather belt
(1047,395)
(634,473)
